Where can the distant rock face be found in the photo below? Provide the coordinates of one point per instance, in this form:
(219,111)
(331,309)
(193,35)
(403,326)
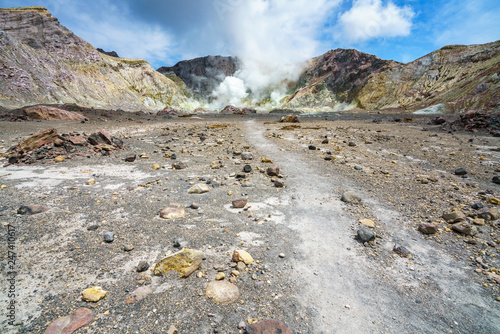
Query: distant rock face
(108,53)
(42,62)
(205,74)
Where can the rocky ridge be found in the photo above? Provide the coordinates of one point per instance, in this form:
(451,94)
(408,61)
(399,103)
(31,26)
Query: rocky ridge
(43,62)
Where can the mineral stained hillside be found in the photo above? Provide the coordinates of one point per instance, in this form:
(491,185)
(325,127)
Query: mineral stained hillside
(43,62)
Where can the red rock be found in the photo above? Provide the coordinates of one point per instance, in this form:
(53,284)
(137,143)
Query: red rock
(273,170)
(38,140)
(240,203)
(427,228)
(52,114)
(32,209)
(78,140)
(268,327)
(70,323)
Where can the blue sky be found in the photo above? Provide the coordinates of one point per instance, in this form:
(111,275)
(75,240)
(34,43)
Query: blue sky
(164,32)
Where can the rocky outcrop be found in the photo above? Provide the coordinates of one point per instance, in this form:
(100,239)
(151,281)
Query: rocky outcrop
(108,53)
(42,62)
(205,74)
(457,77)
(52,114)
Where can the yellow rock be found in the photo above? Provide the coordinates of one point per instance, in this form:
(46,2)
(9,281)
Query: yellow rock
(220,276)
(156,167)
(243,256)
(185,262)
(3,186)
(90,182)
(252,321)
(266,160)
(59,158)
(93,294)
(494,200)
(367,222)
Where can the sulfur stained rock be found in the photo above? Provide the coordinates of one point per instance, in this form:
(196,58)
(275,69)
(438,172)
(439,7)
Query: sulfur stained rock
(222,292)
(93,294)
(243,256)
(185,262)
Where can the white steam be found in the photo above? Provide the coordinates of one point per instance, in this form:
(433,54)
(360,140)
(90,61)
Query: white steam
(272,39)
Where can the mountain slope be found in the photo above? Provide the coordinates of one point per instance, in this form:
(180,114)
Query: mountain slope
(43,62)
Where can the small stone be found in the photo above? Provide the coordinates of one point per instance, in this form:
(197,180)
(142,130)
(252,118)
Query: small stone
(109,237)
(266,160)
(351,198)
(128,248)
(32,209)
(199,188)
(477,206)
(454,217)
(138,294)
(241,325)
(352,144)
(247,168)
(365,235)
(273,170)
(241,255)
(92,227)
(70,323)
(490,214)
(172,213)
(427,228)
(185,262)
(90,181)
(241,266)
(496,179)
(172,330)
(464,228)
(179,165)
(312,147)
(282,255)
(142,266)
(222,292)
(235,273)
(367,222)
(199,274)
(402,251)
(177,244)
(240,203)
(357,168)
(479,222)
(156,167)
(461,171)
(494,200)
(246,156)
(93,294)
(194,206)
(233,279)
(220,276)
(59,158)
(278,183)
(130,158)
(267,327)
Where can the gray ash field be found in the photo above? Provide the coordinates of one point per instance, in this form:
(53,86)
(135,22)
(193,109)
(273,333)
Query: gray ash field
(311,272)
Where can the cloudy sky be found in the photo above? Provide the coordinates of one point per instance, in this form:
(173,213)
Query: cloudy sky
(166,31)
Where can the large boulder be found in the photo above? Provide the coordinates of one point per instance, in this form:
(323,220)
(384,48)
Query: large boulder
(52,114)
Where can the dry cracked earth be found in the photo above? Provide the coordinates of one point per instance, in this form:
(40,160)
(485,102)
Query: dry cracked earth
(311,272)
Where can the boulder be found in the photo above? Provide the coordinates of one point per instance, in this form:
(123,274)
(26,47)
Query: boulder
(52,114)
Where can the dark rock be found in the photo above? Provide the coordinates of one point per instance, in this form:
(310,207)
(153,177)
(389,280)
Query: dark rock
(352,144)
(32,209)
(440,120)
(194,206)
(240,203)
(92,227)
(402,251)
(130,158)
(109,237)
(142,266)
(268,327)
(278,183)
(173,157)
(291,118)
(358,168)
(461,171)
(109,53)
(325,141)
(177,244)
(312,147)
(427,228)
(464,228)
(101,137)
(365,235)
(247,168)
(273,170)
(496,179)
(477,206)
(179,165)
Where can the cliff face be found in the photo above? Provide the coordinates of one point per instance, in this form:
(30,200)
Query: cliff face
(43,62)
(204,74)
(460,77)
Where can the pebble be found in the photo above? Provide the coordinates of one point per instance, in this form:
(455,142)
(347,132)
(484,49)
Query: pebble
(220,276)
(312,147)
(93,294)
(172,213)
(267,326)
(351,197)
(427,228)
(496,179)
(109,237)
(402,251)
(199,188)
(241,266)
(138,294)
(367,222)
(128,248)
(365,235)
(461,171)
(240,203)
(222,292)
(32,209)
(464,228)
(246,156)
(142,266)
(243,256)
(130,158)
(247,168)
(59,159)
(90,182)
(282,255)
(352,144)
(278,183)
(273,170)
(185,262)
(92,227)
(194,206)
(156,167)
(179,165)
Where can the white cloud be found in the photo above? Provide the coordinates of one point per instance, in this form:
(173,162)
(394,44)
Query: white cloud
(368,19)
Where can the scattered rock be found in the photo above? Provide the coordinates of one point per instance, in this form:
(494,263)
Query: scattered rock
(352,144)
(220,276)
(179,165)
(477,206)
(90,181)
(351,197)
(490,214)
(142,266)
(365,235)
(496,179)
(241,266)
(172,330)
(312,147)
(278,183)
(59,158)
(282,255)
(247,168)
(494,200)
(246,156)
(70,323)
(427,228)
(199,188)
(52,114)
(100,137)
(156,167)
(130,158)
(464,228)
(402,251)
(461,171)
(454,217)
(267,327)
(109,237)
(241,255)
(273,170)
(32,209)
(185,262)
(367,222)
(291,118)
(240,203)
(222,292)
(138,294)
(128,248)
(172,213)
(93,294)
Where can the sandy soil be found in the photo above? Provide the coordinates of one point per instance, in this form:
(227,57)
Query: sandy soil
(327,281)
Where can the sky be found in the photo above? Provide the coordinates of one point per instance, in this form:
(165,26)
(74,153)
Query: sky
(164,32)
